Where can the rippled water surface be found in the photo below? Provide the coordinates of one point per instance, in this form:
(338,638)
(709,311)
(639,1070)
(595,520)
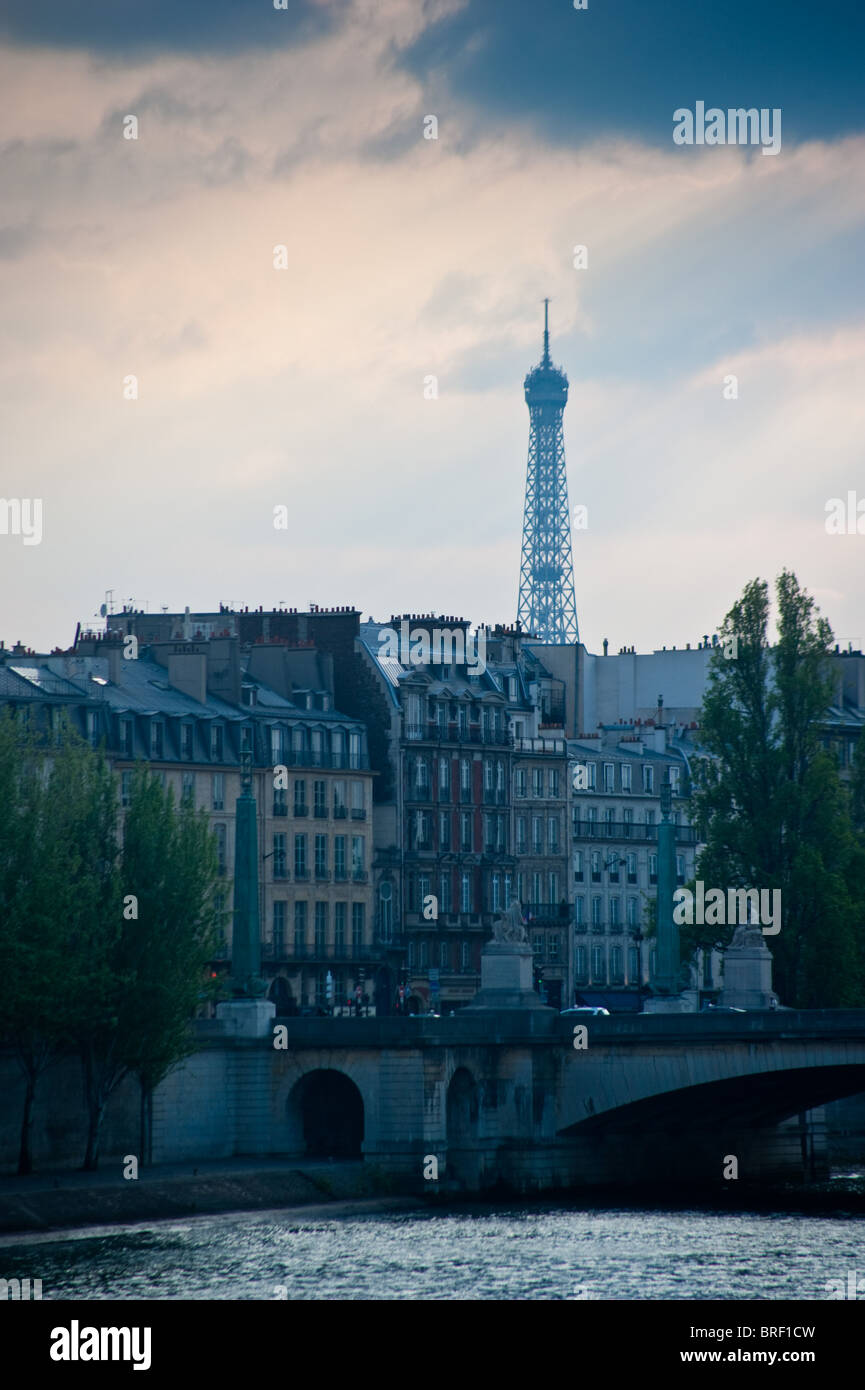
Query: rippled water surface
(477,1253)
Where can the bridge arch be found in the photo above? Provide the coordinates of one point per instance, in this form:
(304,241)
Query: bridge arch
(325,1113)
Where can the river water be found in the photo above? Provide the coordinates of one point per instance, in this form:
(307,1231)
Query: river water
(539,1252)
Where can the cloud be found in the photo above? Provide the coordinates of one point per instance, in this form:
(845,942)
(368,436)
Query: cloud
(199,26)
(304,386)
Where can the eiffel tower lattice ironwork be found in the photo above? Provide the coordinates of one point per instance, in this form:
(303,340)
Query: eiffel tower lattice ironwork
(546,606)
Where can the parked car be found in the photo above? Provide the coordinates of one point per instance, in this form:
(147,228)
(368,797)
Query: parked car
(586,1009)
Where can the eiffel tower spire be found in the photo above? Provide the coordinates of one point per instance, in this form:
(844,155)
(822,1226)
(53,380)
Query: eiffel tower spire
(547,607)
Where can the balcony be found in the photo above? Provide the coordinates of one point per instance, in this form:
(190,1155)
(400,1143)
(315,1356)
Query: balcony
(626,830)
(279,808)
(538,912)
(324,955)
(320,813)
(358,814)
(340,812)
(300,810)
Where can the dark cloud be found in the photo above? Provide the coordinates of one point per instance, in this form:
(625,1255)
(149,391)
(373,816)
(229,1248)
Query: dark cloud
(624,67)
(132,27)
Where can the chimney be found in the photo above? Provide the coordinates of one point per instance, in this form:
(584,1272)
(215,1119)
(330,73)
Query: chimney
(187,672)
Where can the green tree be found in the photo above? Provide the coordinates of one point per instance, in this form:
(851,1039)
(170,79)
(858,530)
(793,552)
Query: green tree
(769,797)
(169,868)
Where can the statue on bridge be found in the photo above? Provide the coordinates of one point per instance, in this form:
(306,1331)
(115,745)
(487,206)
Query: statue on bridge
(510,927)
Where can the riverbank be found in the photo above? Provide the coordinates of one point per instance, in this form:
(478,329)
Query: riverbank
(54,1202)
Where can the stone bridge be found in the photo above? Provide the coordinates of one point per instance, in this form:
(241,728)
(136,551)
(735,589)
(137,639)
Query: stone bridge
(507,1099)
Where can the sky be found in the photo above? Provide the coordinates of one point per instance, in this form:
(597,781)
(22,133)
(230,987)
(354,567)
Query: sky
(408,258)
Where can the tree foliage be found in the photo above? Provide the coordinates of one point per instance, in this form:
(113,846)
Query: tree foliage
(769,798)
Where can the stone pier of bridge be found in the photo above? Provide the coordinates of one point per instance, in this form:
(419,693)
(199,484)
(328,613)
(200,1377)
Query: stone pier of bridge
(506,1100)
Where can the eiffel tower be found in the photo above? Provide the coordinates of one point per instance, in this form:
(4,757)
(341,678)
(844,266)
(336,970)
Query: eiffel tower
(546,606)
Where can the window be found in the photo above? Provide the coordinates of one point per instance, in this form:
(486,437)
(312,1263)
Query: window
(489,834)
(444,775)
(520,782)
(411,955)
(465,779)
(217,742)
(321,856)
(280,801)
(537,781)
(653,868)
(385,910)
(279,928)
(358,857)
(579,911)
(300,926)
(489,775)
(553,941)
(221,854)
(609,777)
(553,888)
(300,807)
(598,972)
(650,825)
(596,866)
(465,892)
(633,966)
(465,957)
(627,822)
(632,912)
(126,738)
(423,890)
(337,748)
(423,953)
(277,746)
(217,791)
(537,835)
(617,969)
(421,770)
(125,788)
(320,926)
(339,925)
(156,738)
(578,866)
(596,912)
(316,741)
(521,834)
(466,838)
(609,823)
(674,780)
(615,912)
(626,777)
(508,890)
(553,834)
(554,783)
(300,869)
(354,750)
(538,944)
(358,915)
(340,809)
(246,739)
(648,778)
(187,794)
(186,741)
(339,871)
(319,798)
(444,956)
(580,962)
(444,830)
(536,889)
(680,869)
(444,893)
(592,770)
(497,892)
